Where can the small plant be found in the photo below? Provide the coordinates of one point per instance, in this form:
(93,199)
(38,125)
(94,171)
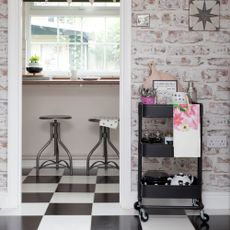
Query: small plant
(34,59)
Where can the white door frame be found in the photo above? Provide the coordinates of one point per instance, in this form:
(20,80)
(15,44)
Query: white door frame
(13,196)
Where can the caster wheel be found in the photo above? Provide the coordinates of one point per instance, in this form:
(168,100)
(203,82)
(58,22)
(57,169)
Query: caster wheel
(144,215)
(137,206)
(204,217)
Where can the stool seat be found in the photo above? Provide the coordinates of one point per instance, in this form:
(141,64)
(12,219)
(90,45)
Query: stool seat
(94,119)
(55,117)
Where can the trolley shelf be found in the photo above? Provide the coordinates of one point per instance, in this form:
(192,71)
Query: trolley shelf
(157,150)
(157,111)
(170,191)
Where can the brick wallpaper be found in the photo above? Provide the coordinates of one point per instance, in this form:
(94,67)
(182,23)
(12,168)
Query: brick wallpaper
(3,95)
(203,57)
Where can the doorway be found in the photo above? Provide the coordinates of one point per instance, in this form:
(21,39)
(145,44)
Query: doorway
(14,137)
(75,113)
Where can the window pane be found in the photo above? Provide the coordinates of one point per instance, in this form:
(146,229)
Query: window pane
(113,58)
(95,57)
(44,29)
(63,57)
(69,29)
(94,28)
(86,43)
(48,54)
(45,4)
(113,29)
(75,60)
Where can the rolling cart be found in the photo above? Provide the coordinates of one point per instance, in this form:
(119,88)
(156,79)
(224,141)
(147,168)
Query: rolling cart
(193,192)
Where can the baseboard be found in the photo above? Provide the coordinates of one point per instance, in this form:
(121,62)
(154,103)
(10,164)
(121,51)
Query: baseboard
(76,163)
(211,200)
(216,200)
(5,201)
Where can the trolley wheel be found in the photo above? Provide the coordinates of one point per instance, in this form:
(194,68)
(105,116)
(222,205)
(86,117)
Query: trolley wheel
(144,215)
(137,206)
(204,216)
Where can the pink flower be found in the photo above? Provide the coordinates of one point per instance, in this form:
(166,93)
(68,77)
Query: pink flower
(192,111)
(178,118)
(193,122)
(193,117)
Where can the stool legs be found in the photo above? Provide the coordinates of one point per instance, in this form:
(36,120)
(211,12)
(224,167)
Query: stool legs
(56,149)
(104,135)
(67,151)
(93,149)
(54,135)
(111,144)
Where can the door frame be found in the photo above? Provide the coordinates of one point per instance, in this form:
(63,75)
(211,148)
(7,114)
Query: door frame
(12,198)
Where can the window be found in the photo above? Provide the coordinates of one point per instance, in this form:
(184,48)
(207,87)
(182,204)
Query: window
(87,42)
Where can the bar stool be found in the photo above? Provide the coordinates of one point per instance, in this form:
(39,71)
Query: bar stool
(55,132)
(104,136)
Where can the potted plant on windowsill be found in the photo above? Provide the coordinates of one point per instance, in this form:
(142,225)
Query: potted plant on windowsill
(34,66)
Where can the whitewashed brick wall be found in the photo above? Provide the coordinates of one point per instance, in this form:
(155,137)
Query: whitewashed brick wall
(3,94)
(203,57)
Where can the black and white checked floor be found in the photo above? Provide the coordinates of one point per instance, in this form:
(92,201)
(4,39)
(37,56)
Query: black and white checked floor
(79,202)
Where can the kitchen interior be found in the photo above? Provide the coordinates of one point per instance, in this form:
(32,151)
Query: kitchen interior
(93,91)
(71,64)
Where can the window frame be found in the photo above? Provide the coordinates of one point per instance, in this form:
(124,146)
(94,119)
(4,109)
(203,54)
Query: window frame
(30,10)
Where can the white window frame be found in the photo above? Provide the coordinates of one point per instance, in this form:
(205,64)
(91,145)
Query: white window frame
(31,10)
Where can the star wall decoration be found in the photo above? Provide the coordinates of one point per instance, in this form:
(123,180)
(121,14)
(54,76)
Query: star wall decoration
(204,15)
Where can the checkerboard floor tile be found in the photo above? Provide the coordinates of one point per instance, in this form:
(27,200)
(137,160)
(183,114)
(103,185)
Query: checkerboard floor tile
(42,179)
(106,197)
(65,222)
(76,188)
(56,200)
(78,179)
(115,223)
(107,179)
(36,197)
(19,222)
(69,209)
(72,197)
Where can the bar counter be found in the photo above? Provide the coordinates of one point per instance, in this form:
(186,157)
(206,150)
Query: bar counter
(66,81)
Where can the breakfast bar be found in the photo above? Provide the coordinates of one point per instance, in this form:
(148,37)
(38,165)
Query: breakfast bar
(62,81)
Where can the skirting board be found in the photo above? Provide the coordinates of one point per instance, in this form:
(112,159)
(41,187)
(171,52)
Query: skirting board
(5,201)
(76,163)
(211,200)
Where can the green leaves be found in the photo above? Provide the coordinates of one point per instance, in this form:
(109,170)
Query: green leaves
(181,107)
(34,59)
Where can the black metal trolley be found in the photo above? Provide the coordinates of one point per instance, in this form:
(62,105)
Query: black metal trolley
(193,192)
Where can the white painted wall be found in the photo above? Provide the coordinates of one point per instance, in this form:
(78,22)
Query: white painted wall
(81,102)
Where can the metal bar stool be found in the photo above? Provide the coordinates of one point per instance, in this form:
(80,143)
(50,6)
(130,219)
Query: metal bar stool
(104,137)
(55,132)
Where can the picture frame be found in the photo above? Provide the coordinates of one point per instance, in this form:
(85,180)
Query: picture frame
(165,90)
(143,20)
